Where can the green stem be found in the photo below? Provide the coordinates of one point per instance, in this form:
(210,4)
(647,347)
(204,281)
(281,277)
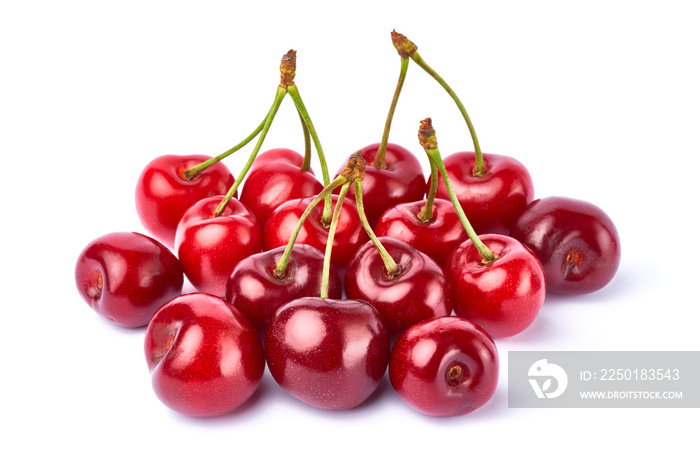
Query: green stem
(479,164)
(380,158)
(279,96)
(191,172)
(392,269)
(426,215)
(328,206)
(329,242)
(281,269)
(306,164)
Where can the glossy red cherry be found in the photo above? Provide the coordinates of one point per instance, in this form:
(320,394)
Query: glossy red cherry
(258,292)
(493,200)
(418,291)
(327,353)
(209,247)
(503,296)
(401,181)
(163,193)
(204,356)
(576,241)
(274,178)
(126,277)
(446,366)
(436,238)
(348,237)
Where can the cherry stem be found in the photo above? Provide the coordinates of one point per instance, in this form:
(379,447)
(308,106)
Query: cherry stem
(192,172)
(331,235)
(294,93)
(279,96)
(427,139)
(380,157)
(306,164)
(392,269)
(478,169)
(426,215)
(281,269)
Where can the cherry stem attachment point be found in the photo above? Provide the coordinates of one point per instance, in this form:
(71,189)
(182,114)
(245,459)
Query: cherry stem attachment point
(479,169)
(426,215)
(192,172)
(329,243)
(279,96)
(427,139)
(294,94)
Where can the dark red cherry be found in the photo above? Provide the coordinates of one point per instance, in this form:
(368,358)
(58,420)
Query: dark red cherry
(209,247)
(436,238)
(493,200)
(163,193)
(204,356)
(328,353)
(503,296)
(274,178)
(446,366)
(126,277)
(349,233)
(575,240)
(256,289)
(401,181)
(418,291)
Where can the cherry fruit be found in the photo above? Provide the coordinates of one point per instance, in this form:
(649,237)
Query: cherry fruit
(492,200)
(436,237)
(210,246)
(402,180)
(417,290)
(204,355)
(258,289)
(126,277)
(576,241)
(446,366)
(283,221)
(164,192)
(275,177)
(504,296)
(328,353)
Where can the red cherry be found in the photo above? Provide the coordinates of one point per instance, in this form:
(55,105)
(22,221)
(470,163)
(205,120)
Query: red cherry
(401,181)
(446,366)
(328,353)
(258,292)
(436,238)
(503,296)
(418,292)
(126,277)
(349,234)
(493,200)
(204,356)
(274,178)
(576,242)
(209,247)
(163,193)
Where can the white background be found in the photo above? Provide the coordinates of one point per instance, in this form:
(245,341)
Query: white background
(598,99)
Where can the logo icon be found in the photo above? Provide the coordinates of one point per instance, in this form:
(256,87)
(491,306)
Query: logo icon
(544,372)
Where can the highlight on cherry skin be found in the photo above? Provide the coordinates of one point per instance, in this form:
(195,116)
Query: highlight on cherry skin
(164,193)
(445,366)
(204,355)
(127,276)
(576,241)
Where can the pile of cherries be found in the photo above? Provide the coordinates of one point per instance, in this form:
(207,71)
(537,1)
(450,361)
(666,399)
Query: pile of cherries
(268,265)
